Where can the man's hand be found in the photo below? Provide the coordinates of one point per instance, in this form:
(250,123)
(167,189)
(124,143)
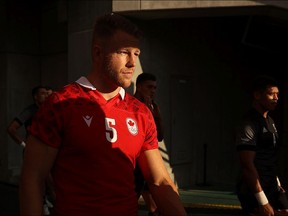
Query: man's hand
(265,210)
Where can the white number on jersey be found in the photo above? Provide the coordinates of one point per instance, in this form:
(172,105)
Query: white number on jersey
(111,134)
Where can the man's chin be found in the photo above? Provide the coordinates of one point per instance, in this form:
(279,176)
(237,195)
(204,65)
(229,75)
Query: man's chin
(126,84)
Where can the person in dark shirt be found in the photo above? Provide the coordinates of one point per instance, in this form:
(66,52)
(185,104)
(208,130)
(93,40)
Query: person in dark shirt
(39,94)
(259,189)
(146,85)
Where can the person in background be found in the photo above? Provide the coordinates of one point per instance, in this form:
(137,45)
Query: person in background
(146,85)
(39,94)
(90,133)
(259,189)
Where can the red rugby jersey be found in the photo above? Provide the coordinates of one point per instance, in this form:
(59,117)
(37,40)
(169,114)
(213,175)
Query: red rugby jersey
(98,143)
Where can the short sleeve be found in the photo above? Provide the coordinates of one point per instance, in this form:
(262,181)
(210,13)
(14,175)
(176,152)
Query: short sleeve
(26,115)
(151,141)
(246,136)
(47,123)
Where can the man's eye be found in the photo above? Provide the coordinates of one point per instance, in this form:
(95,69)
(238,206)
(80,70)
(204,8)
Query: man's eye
(122,52)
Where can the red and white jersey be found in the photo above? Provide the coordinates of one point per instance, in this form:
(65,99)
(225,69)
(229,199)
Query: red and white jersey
(98,142)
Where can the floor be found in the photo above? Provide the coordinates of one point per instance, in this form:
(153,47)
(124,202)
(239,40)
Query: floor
(196,202)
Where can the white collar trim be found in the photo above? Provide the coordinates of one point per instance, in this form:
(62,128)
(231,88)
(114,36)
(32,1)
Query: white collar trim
(83,81)
(122,93)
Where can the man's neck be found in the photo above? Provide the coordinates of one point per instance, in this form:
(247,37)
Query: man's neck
(260,109)
(106,90)
(110,95)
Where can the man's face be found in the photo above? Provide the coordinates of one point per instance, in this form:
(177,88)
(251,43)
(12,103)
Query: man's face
(269,98)
(147,88)
(120,58)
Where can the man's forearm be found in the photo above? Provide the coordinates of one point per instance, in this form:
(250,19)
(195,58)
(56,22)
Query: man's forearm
(251,178)
(167,200)
(16,137)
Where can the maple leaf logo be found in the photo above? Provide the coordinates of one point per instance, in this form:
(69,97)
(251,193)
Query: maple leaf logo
(132,126)
(131,123)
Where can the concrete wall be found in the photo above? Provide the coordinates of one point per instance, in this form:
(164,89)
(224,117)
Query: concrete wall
(120,5)
(54,44)
(138,5)
(82,15)
(20,63)
(33,51)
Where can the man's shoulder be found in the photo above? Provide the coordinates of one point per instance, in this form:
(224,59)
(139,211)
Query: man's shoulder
(31,109)
(69,90)
(71,87)
(26,114)
(135,104)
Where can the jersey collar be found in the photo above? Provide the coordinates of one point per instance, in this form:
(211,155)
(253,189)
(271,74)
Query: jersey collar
(83,81)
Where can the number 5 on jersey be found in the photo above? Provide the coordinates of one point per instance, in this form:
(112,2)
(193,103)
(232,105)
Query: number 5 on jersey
(111,133)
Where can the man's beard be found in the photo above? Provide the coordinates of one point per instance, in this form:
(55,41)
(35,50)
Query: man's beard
(114,75)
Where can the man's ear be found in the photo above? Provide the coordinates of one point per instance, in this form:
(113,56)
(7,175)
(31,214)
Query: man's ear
(96,52)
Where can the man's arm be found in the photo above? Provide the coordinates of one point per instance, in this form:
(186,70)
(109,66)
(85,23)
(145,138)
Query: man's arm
(37,162)
(251,177)
(13,132)
(160,184)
